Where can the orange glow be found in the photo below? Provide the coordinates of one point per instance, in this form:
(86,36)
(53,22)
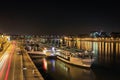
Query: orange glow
(44,64)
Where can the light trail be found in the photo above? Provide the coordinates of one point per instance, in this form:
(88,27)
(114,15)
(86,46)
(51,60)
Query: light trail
(3,69)
(5,62)
(9,64)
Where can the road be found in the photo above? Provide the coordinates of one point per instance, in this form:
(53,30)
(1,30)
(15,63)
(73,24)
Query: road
(10,68)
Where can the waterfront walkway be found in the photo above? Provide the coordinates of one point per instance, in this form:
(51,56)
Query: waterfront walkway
(30,71)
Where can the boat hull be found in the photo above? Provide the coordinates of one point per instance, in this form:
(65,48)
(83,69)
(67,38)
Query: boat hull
(77,62)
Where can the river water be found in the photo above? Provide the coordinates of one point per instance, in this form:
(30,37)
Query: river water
(107,54)
(54,69)
(105,67)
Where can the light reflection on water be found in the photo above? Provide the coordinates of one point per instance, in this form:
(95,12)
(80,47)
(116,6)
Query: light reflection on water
(62,71)
(53,69)
(107,54)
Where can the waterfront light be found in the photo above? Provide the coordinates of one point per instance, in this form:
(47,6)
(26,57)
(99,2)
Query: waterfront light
(45,50)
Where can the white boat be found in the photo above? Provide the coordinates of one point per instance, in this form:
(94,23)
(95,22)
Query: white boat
(85,61)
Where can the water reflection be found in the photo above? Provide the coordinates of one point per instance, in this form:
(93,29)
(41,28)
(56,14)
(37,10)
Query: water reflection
(72,72)
(107,53)
(44,64)
(59,70)
(54,69)
(52,63)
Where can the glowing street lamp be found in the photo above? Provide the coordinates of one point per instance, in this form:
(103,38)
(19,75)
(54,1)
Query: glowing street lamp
(45,50)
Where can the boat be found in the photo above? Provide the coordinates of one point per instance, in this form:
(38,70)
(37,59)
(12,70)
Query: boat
(51,55)
(81,60)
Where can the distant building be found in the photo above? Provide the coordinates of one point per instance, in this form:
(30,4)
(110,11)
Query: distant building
(104,34)
(115,34)
(96,34)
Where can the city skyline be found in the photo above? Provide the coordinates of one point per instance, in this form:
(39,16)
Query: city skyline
(52,17)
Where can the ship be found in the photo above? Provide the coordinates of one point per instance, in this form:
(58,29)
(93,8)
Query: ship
(82,59)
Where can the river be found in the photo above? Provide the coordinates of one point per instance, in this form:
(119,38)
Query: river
(54,69)
(105,67)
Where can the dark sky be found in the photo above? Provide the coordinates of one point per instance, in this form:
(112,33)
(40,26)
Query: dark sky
(59,17)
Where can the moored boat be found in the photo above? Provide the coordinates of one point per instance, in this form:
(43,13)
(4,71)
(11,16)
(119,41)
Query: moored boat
(83,60)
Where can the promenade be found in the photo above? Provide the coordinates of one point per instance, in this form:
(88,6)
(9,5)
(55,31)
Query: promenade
(30,71)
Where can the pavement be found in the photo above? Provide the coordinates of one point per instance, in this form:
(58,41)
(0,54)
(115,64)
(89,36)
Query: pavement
(29,69)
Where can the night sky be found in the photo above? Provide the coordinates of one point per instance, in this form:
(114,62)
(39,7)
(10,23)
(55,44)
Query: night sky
(59,17)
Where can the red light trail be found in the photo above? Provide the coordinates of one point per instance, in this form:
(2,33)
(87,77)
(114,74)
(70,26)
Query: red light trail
(6,59)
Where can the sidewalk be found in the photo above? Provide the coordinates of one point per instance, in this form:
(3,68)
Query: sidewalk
(18,66)
(30,71)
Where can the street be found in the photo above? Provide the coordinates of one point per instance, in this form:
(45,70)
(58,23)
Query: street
(10,68)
